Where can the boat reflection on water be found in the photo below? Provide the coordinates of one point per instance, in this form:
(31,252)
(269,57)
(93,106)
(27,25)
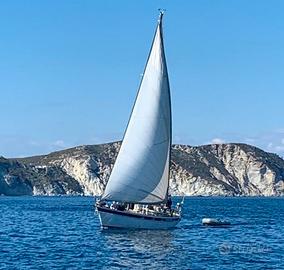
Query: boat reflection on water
(132,248)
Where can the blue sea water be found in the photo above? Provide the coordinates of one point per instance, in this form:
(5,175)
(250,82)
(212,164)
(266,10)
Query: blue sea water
(64,233)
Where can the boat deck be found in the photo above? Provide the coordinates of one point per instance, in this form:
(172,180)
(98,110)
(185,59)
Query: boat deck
(143,213)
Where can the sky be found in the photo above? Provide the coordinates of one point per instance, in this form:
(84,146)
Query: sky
(70,70)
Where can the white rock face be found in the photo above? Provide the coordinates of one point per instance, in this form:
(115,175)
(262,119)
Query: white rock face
(211,170)
(232,169)
(83,169)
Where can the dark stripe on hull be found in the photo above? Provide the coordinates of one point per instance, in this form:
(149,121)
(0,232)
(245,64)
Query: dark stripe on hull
(124,213)
(112,227)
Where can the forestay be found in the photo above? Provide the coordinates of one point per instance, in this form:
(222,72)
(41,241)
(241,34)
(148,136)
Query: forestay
(141,171)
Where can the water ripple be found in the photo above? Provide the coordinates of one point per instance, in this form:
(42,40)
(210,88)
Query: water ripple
(64,232)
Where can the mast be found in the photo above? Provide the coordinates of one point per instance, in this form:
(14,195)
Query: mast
(160,21)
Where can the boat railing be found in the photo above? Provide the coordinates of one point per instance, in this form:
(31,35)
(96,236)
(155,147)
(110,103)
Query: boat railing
(160,211)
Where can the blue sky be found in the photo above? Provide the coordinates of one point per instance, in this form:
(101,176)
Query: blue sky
(69,71)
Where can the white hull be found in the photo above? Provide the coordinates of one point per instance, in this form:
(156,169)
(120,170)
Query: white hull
(119,219)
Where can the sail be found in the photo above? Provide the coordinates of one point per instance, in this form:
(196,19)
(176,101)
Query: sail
(141,171)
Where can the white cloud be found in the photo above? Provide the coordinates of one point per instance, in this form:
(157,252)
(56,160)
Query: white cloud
(59,143)
(279,148)
(217,141)
(34,143)
(249,140)
(275,147)
(270,145)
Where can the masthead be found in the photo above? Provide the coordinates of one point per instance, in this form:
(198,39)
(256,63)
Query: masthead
(162,11)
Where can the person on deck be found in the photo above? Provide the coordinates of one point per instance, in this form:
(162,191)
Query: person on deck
(169,202)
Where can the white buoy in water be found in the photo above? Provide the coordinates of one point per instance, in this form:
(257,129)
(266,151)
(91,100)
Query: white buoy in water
(214,222)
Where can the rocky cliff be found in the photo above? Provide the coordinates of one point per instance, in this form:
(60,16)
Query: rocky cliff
(223,169)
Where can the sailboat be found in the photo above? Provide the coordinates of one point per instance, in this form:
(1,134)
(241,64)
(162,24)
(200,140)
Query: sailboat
(137,193)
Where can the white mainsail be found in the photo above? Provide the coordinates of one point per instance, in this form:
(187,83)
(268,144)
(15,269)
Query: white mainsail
(141,171)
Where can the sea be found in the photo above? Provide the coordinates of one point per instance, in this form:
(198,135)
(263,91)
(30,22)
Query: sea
(64,233)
